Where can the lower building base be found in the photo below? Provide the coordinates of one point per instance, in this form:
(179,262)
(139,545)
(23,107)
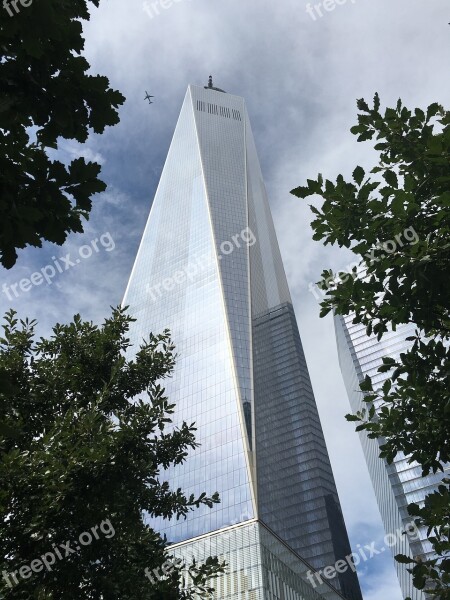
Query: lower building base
(260,565)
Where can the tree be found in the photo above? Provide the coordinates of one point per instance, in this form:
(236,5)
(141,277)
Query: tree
(409,190)
(81,460)
(46,94)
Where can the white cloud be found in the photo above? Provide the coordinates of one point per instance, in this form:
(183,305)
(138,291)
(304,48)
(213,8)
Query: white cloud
(386,587)
(75,151)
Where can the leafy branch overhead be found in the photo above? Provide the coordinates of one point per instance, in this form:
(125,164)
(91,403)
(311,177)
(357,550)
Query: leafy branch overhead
(47,94)
(411,190)
(400,281)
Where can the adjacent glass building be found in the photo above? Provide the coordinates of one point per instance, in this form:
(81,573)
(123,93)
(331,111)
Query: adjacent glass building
(209,268)
(400,483)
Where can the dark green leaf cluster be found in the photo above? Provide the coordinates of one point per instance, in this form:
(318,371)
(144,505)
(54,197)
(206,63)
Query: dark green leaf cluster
(47,93)
(86,435)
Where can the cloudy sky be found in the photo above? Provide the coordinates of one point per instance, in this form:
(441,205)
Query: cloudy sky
(301,76)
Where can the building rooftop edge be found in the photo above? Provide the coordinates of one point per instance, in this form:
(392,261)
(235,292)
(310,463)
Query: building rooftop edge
(202,87)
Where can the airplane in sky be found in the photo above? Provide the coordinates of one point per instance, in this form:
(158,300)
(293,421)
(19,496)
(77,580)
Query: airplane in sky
(148,97)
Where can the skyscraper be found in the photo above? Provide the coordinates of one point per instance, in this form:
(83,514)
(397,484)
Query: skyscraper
(209,268)
(400,483)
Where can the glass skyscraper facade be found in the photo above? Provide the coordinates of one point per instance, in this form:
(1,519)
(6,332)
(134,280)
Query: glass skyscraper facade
(400,483)
(209,269)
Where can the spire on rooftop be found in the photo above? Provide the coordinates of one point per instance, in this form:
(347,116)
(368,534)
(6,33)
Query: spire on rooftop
(210,85)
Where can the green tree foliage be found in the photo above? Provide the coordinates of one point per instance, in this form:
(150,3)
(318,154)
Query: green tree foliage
(46,94)
(408,190)
(86,437)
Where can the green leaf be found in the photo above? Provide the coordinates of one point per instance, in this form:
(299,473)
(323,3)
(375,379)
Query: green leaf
(358,175)
(391,178)
(367,135)
(362,105)
(402,558)
(376,102)
(366,385)
(433,110)
(387,386)
(352,418)
(420,114)
(301,192)
(357,129)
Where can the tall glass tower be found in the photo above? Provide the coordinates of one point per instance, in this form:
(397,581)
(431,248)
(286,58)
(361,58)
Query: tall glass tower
(400,483)
(209,268)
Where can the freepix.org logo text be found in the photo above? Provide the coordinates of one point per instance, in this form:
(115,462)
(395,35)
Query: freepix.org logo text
(199,263)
